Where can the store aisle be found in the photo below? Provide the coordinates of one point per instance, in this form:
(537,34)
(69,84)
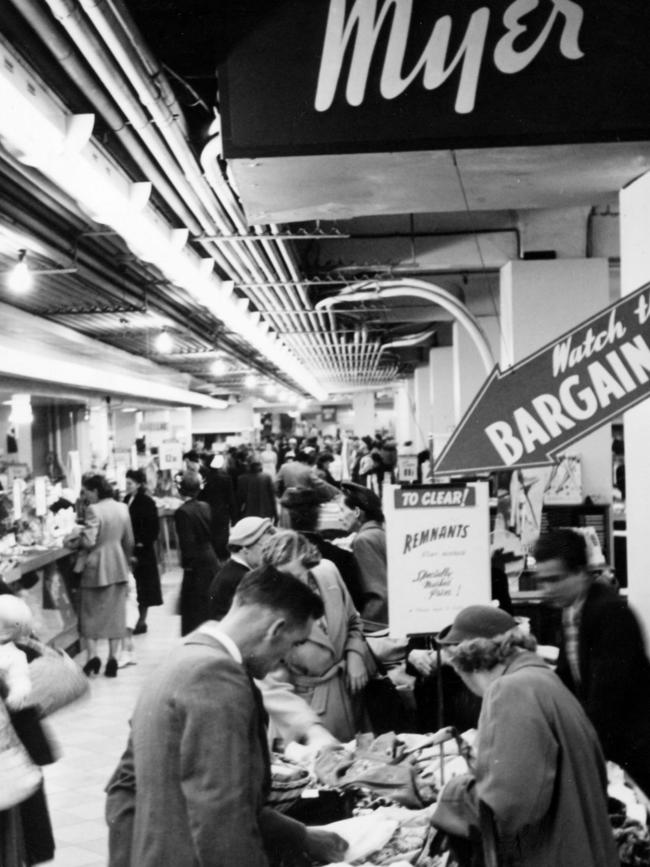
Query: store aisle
(92,734)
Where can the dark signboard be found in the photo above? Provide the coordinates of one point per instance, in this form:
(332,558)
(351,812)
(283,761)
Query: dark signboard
(530,413)
(335,76)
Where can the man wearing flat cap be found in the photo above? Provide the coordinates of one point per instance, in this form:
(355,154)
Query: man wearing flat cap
(539,769)
(245,544)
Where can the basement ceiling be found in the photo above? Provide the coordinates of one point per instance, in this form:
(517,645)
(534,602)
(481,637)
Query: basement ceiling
(278,234)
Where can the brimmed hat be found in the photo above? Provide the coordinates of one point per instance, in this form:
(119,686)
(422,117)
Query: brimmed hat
(247,531)
(361,498)
(477,621)
(299,497)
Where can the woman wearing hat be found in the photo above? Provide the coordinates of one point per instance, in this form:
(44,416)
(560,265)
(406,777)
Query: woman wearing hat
(329,670)
(363,514)
(539,767)
(198,557)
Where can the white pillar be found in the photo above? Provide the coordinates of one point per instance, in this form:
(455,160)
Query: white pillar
(444,417)
(363,407)
(469,370)
(540,300)
(635,271)
(423,410)
(403,409)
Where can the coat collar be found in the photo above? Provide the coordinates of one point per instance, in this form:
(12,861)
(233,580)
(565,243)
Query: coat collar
(525,659)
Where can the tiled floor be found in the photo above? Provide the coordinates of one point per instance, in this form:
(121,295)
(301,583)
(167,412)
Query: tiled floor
(92,734)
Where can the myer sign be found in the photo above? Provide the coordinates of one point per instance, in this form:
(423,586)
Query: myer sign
(527,414)
(327,76)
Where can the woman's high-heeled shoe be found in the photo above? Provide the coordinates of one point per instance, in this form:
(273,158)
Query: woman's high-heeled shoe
(92,666)
(111,667)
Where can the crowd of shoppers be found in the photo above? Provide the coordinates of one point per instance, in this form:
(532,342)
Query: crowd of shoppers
(276,613)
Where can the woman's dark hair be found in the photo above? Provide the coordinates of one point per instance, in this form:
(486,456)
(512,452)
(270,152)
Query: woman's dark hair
(100,484)
(371,511)
(565,545)
(281,592)
(137,476)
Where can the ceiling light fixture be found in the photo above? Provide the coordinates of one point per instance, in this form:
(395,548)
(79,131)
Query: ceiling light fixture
(21,409)
(250,380)
(19,279)
(164,342)
(218,367)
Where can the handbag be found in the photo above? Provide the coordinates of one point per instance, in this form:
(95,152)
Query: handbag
(19,775)
(56,679)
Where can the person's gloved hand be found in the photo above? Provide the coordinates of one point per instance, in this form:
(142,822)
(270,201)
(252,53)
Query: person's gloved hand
(423,661)
(324,846)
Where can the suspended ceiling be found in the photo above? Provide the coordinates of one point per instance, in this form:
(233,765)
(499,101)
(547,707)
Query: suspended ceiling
(217,277)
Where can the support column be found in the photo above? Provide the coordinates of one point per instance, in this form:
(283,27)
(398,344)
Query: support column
(443,408)
(363,407)
(540,300)
(635,271)
(469,370)
(404,409)
(423,420)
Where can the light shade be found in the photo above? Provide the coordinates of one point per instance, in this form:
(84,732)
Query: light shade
(21,409)
(164,342)
(19,279)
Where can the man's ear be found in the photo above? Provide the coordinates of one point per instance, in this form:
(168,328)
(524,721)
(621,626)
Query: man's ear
(276,627)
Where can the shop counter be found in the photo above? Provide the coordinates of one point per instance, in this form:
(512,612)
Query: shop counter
(43,577)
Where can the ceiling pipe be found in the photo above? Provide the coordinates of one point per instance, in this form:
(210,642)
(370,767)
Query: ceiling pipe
(418,289)
(408,340)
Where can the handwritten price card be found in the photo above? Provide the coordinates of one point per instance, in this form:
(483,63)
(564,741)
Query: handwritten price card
(437,541)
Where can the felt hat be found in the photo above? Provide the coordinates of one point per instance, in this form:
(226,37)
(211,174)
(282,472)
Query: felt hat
(360,497)
(477,621)
(247,531)
(299,497)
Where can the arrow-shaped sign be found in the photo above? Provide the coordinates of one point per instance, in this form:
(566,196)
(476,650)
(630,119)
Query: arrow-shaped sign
(524,416)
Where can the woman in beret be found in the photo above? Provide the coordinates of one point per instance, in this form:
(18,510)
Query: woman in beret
(539,768)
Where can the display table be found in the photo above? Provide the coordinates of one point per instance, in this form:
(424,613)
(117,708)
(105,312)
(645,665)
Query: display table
(43,577)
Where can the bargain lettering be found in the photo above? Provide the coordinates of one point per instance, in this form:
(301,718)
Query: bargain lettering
(514,51)
(613,369)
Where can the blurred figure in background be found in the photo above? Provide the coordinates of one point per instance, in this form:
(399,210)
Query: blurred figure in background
(198,557)
(146,526)
(255,493)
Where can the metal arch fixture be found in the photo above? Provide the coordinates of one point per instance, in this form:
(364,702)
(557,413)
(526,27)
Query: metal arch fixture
(378,289)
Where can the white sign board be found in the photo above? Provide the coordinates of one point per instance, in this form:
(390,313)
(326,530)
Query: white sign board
(407,468)
(437,540)
(170,455)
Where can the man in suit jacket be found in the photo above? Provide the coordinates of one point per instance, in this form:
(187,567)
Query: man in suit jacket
(602,658)
(192,785)
(219,492)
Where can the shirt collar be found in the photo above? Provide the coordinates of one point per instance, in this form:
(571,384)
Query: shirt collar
(214,630)
(237,557)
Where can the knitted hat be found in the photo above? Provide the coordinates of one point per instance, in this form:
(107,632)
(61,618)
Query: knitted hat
(247,531)
(477,621)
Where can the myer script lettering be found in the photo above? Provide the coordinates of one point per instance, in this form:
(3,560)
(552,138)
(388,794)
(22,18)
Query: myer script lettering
(515,49)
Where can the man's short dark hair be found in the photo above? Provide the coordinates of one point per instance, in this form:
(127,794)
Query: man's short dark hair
(100,484)
(281,592)
(565,545)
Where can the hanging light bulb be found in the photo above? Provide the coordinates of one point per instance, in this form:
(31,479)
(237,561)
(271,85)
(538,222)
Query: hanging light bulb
(20,279)
(219,367)
(269,389)
(164,342)
(250,380)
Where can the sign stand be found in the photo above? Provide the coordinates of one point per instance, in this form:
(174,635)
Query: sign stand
(438,557)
